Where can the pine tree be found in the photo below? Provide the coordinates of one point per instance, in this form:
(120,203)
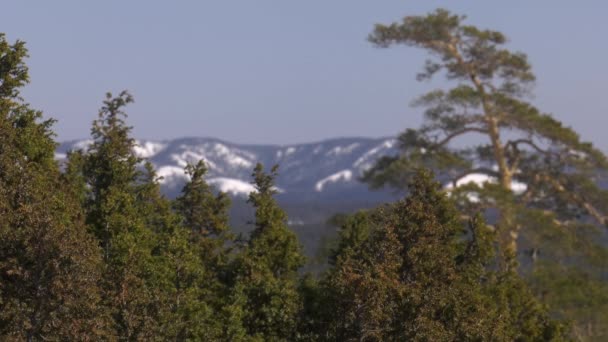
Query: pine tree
(265,272)
(526,145)
(49,264)
(543,178)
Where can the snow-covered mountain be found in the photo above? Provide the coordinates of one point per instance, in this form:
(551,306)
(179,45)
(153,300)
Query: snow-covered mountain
(329,168)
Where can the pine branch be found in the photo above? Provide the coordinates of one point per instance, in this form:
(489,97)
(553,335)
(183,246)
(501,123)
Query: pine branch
(598,216)
(458,133)
(529,142)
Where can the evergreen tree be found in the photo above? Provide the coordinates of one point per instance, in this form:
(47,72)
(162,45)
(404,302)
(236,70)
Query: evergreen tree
(159,283)
(266,270)
(558,169)
(354,232)
(115,216)
(415,278)
(187,284)
(542,177)
(49,265)
(204,214)
(73,176)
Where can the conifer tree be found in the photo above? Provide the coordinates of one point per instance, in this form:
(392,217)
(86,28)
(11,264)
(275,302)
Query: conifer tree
(187,285)
(354,232)
(415,278)
(158,284)
(527,146)
(266,270)
(204,213)
(114,215)
(73,176)
(542,177)
(49,264)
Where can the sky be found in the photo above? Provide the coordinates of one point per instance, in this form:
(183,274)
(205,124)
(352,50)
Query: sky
(283,72)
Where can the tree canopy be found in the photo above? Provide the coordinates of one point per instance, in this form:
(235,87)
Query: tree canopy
(518,144)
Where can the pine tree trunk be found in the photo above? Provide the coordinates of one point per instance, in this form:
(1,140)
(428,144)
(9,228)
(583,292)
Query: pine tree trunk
(509,232)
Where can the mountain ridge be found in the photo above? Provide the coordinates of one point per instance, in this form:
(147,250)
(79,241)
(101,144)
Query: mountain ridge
(320,169)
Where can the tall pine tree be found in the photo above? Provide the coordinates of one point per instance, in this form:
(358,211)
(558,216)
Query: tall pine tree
(542,178)
(524,145)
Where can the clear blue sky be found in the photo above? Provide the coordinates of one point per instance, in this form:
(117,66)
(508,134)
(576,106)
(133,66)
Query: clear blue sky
(285,71)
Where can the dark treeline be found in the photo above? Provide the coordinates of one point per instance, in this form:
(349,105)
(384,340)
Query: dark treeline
(91,249)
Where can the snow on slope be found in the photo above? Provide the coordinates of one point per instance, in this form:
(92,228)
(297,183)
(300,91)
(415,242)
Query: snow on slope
(366,161)
(235,187)
(232,186)
(480,179)
(83,144)
(148,149)
(210,153)
(288,151)
(338,150)
(233,157)
(171,175)
(344,175)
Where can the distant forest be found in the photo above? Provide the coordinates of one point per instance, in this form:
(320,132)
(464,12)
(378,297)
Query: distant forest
(90,249)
